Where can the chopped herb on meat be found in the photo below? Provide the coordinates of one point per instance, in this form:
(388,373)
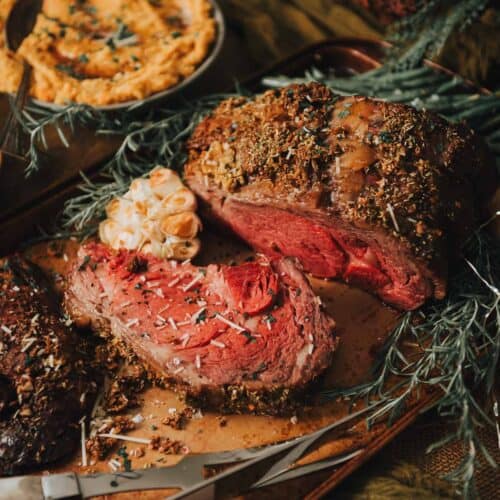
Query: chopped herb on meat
(137,265)
(127,464)
(270,318)
(202,316)
(84,263)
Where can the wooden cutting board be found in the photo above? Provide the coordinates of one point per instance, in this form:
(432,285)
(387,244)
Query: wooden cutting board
(363,323)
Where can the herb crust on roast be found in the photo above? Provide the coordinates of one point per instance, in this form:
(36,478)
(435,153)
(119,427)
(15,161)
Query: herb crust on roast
(366,179)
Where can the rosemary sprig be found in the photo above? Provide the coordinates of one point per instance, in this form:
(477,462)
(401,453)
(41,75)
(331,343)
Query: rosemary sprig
(424,33)
(151,139)
(36,121)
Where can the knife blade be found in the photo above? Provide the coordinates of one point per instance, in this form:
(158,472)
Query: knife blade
(25,487)
(185,473)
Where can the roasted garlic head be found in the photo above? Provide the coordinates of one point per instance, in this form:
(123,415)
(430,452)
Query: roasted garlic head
(157,215)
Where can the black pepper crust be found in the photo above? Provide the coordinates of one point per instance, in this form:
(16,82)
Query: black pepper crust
(46,384)
(372,163)
(278,401)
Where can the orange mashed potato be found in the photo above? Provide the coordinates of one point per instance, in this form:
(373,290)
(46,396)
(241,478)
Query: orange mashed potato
(101,52)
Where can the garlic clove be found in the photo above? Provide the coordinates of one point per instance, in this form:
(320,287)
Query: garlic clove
(150,230)
(139,190)
(184,225)
(164,181)
(182,200)
(153,246)
(147,248)
(180,249)
(186,249)
(124,212)
(141,207)
(108,230)
(114,207)
(127,238)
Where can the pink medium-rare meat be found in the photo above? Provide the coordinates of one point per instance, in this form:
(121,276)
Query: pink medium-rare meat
(374,193)
(231,337)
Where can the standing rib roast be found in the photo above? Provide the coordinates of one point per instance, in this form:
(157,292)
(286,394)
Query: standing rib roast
(250,337)
(377,194)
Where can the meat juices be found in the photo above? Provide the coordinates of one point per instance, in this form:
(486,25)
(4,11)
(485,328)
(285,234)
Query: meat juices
(250,337)
(377,194)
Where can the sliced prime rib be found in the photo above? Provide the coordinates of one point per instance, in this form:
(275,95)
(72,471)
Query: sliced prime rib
(250,337)
(374,193)
(45,382)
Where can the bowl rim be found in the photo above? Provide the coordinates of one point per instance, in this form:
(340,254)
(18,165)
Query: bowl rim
(162,94)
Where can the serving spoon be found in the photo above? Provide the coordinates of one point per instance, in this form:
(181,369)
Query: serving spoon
(18,26)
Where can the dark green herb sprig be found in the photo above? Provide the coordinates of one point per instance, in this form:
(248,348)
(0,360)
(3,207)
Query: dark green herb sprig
(37,120)
(424,33)
(153,139)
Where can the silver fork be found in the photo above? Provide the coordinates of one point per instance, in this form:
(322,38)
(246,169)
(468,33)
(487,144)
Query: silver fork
(240,476)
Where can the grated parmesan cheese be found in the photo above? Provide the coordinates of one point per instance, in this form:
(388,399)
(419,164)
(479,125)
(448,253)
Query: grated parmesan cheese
(174,282)
(230,323)
(393,217)
(30,342)
(193,282)
(218,344)
(121,437)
